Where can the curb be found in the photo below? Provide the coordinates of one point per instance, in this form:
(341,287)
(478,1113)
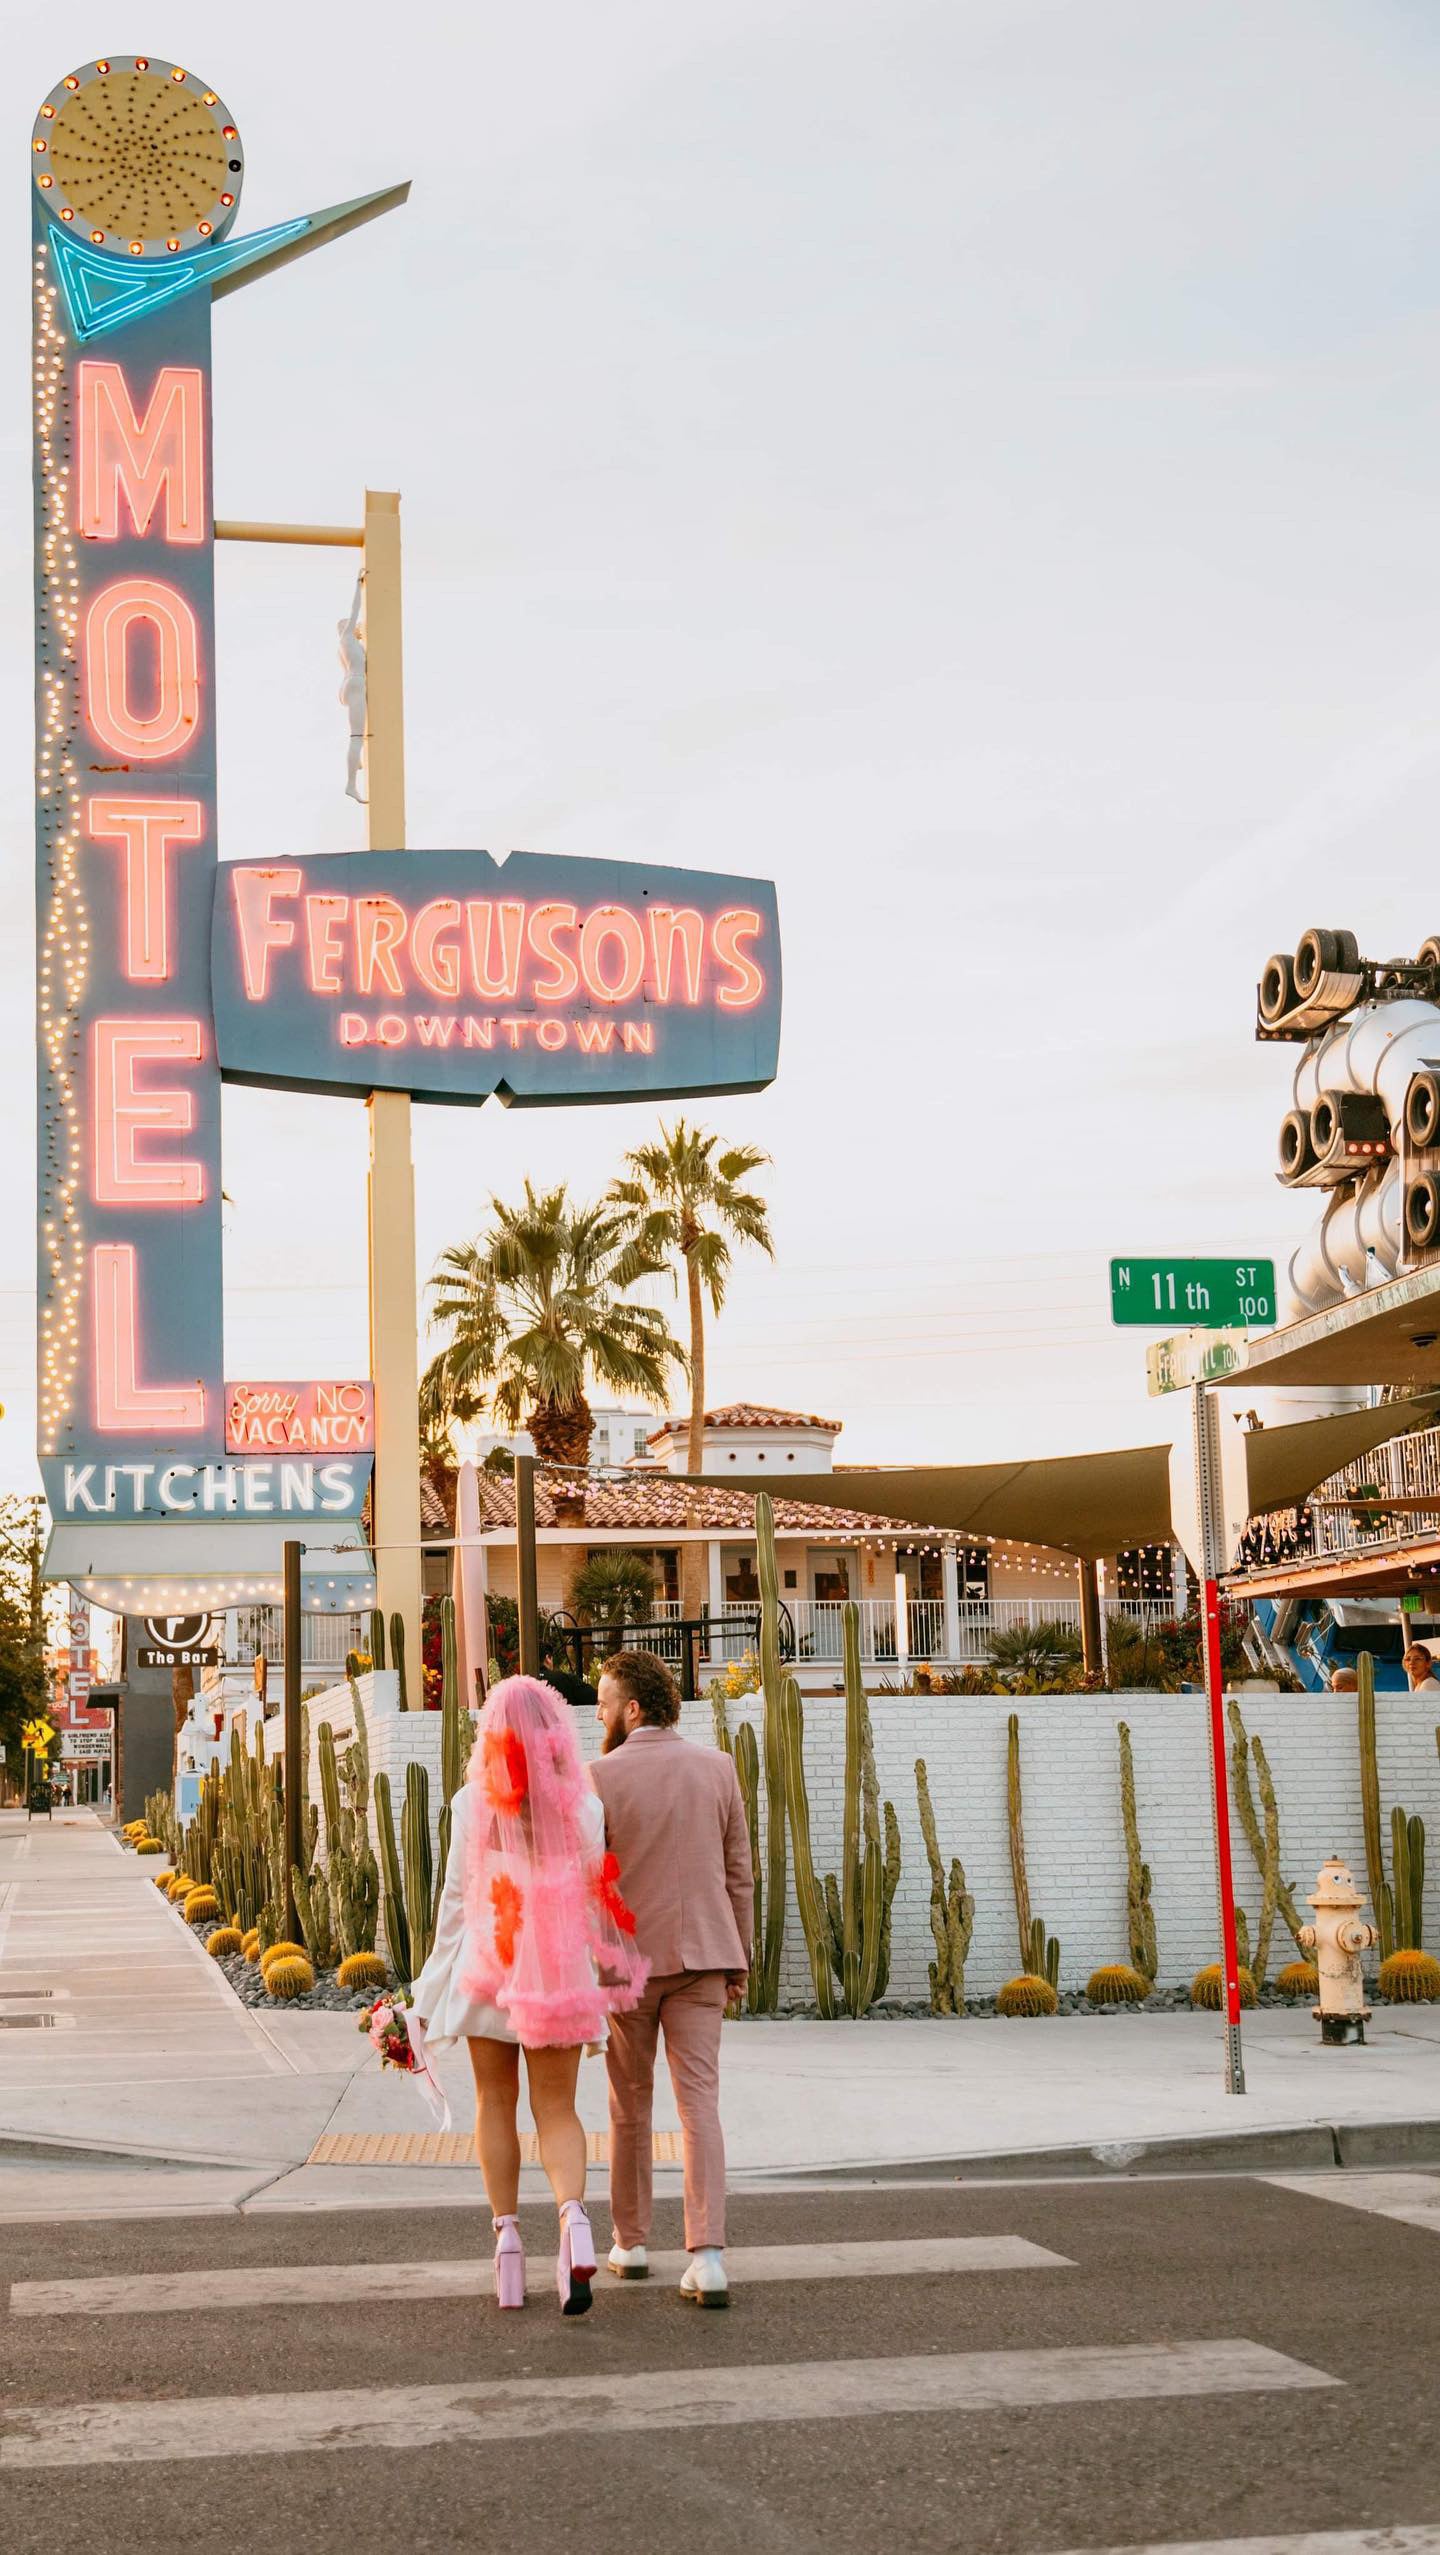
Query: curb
(31,2146)
(1315,2148)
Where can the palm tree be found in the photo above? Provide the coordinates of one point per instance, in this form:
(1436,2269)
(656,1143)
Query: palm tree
(537,1310)
(687,1205)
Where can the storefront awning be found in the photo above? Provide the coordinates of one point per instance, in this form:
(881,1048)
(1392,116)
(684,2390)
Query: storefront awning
(1091,1505)
(168,1566)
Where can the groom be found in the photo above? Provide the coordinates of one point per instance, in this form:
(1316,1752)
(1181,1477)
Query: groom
(675,1819)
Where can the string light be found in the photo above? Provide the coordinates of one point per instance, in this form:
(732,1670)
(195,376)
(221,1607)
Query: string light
(64,935)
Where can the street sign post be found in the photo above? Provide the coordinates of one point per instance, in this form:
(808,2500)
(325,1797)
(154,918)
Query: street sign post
(1208,1295)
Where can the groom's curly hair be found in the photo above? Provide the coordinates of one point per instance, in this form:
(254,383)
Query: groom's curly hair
(645,1680)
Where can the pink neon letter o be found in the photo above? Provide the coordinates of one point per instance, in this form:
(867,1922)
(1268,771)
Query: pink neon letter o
(612,922)
(116,610)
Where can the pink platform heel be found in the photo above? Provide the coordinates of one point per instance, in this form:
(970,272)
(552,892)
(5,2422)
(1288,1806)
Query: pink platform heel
(575,2268)
(509,2263)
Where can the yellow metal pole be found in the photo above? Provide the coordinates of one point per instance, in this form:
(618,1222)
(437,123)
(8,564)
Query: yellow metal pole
(394,1306)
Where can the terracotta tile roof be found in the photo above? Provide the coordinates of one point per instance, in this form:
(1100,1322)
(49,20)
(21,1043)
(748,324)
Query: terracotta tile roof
(750,1415)
(654,1503)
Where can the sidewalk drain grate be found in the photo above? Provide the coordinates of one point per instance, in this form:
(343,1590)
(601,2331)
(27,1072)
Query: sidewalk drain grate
(14,1995)
(457,2147)
(32,2022)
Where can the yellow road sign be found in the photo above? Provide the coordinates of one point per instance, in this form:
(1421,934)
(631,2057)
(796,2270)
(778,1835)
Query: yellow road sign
(37,1734)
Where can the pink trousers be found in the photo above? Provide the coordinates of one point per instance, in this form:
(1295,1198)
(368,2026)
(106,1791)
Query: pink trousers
(688,2008)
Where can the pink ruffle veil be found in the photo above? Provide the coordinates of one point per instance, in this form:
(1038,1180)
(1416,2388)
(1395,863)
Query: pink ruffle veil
(548,1938)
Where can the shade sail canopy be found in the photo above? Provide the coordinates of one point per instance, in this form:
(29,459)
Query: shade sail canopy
(1090,1505)
(1389,1335)
(160,1566)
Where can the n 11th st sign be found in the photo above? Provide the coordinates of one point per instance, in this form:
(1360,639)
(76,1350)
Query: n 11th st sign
(1207,1295)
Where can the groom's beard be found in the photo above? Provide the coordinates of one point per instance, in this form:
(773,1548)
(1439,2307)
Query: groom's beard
(612,1739)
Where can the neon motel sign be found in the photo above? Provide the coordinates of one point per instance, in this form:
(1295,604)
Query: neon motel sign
(162,972)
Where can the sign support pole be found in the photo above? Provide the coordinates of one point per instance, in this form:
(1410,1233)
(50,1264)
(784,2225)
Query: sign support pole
(526,1573)
(1213,1558)
(394,1305)
(294,1823)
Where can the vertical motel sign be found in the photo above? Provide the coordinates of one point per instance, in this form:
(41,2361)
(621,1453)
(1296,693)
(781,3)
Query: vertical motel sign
(137,168)
(160,971)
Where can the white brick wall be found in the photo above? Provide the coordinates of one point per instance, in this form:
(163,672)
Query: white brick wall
(1074,1840)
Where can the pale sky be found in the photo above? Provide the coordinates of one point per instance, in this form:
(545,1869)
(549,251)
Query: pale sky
(970,460)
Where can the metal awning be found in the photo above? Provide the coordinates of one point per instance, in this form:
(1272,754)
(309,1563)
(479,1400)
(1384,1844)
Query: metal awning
(1389,1335)
(1091,1505)
(173,1566)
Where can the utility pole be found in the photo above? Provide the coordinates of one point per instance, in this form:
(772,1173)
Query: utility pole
(394,1304)
(394,1301)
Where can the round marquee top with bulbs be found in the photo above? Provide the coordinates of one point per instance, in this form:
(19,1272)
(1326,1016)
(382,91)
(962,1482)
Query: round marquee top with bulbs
(138,157)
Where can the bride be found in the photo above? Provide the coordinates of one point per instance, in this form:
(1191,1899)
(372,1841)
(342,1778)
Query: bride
(533,1948)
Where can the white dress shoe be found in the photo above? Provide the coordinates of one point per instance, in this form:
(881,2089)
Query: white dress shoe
(705,2282)
(630,2262)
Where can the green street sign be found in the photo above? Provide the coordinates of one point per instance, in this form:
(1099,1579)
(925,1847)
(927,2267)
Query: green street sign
(1206,1295)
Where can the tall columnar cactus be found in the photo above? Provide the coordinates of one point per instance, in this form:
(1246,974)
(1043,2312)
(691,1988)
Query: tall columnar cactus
(1407,1856)
(397,1654)
(1039,1951)
(1140,1915)
(952,1911)
(1380,1898)
(397,1932)
(747,1767)
(418,1864)
(809,1897)
(312,1906)
(765,1976)
(1015,1814)
(377,1638)
(456,1730)
(1275,1894)
(858,1905)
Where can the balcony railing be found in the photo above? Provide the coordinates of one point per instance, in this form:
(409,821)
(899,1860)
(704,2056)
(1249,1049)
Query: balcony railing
(819,1635)
(324,1639)
(1407,1470)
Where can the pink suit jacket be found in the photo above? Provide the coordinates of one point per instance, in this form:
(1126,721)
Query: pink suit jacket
(675,1818)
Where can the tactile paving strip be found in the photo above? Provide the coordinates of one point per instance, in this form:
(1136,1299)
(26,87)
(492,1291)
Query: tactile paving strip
(457,2147)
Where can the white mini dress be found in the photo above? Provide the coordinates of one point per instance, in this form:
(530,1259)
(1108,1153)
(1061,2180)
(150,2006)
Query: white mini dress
(441,2003)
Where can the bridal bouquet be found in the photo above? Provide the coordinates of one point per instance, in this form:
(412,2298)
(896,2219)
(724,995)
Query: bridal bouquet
(388,2030)
(396,2031)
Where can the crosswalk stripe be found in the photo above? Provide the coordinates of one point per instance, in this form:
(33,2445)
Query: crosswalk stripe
(1321,2541)
(1412,2199)
(131,2433)
(331,2283)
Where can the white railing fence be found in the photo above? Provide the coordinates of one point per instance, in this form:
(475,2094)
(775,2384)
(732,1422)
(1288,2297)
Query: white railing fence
(324,1639)
(819,1636)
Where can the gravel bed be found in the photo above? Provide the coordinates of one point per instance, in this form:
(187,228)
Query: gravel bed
(324,1997)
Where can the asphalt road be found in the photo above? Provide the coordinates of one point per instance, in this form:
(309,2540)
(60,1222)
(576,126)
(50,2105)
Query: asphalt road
(756,2429)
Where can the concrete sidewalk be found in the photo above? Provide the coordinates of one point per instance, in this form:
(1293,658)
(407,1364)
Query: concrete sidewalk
(149,2087)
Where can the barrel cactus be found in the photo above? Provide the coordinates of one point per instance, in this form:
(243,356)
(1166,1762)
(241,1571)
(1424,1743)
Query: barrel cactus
(1410,1978)
(289,1977)
(1207,1988)
(1116,1983)
(250,1944)
(149,1845)
(363,1969)
(282,1951)
(176,1884)
(201,1907)
(162,1881)
(1027,1995)
(224,1943)
(1298,1979)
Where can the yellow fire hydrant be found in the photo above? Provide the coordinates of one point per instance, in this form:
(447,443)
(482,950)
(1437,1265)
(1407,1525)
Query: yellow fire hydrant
(1337,1938)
